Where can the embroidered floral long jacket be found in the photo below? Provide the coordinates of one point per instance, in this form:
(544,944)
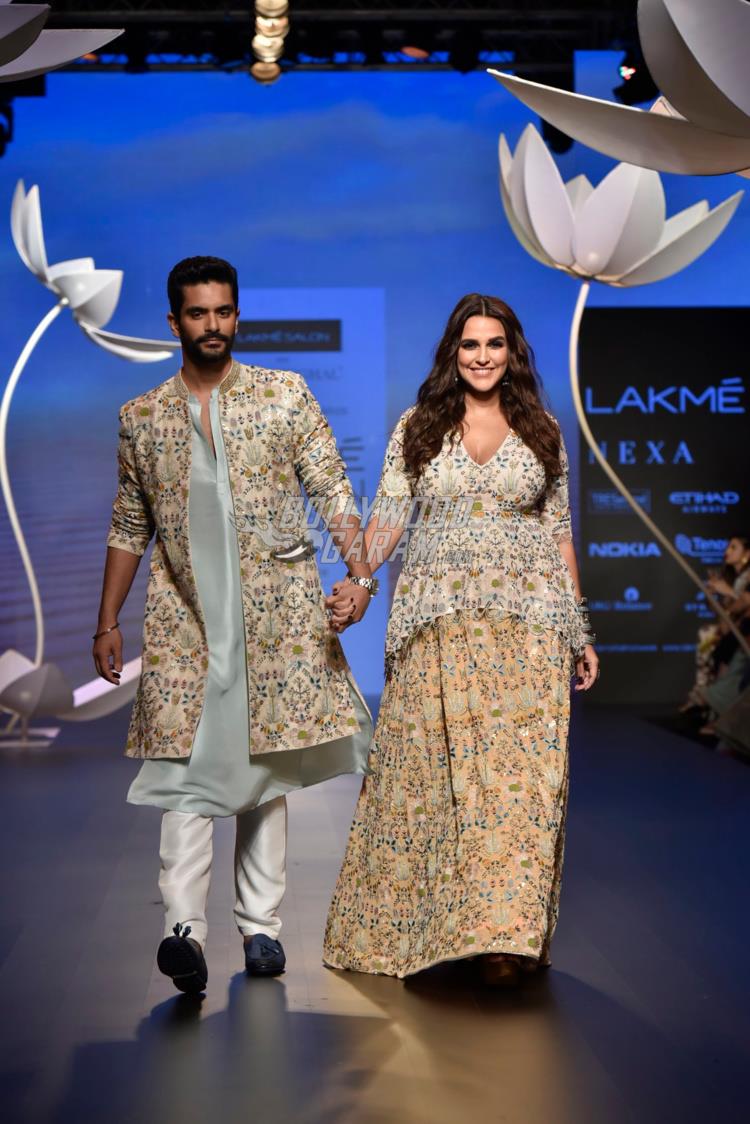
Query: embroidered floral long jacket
(276,439)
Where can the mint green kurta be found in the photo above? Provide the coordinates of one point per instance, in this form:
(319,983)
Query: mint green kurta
(220,778)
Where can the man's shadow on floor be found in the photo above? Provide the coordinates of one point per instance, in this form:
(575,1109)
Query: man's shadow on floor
(253,1060)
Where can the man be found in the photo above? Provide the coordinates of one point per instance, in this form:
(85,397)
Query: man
(244,693)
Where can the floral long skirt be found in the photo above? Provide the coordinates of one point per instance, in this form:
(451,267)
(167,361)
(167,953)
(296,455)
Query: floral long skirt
(457,842)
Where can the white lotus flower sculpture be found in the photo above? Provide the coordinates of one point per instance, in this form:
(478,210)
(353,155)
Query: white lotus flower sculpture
(91,294)
(27,50)
(33,687)
(616,234)
(697,52)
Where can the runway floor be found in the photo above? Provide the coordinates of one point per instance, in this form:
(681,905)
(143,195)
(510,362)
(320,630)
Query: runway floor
(644,1016)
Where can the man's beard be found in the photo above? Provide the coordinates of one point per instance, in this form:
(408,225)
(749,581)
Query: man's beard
(203,358)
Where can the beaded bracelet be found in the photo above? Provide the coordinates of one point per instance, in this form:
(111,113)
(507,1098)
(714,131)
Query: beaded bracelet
(105,631)
(582,607)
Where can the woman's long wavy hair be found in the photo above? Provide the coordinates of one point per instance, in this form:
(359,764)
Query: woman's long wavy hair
(730,573)
(441,407)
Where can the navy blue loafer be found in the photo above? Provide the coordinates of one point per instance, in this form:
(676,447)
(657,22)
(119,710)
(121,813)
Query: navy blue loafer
(264,956)
(183,961)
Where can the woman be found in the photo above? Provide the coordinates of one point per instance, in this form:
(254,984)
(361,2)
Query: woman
(716,644)
(728,669)
(457,841)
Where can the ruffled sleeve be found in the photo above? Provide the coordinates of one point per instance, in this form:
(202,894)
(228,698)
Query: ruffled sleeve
(395,491)
(554,509)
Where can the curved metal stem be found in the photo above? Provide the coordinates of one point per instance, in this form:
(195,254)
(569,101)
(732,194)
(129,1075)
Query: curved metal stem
(16,373)
(575,387)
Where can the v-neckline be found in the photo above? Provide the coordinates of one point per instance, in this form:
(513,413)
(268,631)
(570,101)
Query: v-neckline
(497,450)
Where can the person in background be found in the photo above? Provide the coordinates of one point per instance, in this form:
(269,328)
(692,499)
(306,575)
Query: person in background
(729,586)
(730,659)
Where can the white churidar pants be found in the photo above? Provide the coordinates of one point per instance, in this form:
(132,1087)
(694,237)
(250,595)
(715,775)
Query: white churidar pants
(259,869)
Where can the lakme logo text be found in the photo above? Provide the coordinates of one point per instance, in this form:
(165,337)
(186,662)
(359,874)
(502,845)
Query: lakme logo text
(624,550)
(726,397)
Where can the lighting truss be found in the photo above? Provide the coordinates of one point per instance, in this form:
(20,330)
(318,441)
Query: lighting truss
(536,37)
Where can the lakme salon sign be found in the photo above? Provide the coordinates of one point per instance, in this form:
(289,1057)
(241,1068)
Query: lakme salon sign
(288,335)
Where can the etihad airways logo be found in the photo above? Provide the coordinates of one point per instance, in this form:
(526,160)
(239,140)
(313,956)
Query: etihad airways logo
(704,503)
(724,398)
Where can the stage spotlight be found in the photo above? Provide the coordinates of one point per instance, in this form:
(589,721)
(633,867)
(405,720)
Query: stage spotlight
(265,72)
(264,25)
(272,9)
(417,53)
(271,29)
(637,84)
(6,126)
(268,49)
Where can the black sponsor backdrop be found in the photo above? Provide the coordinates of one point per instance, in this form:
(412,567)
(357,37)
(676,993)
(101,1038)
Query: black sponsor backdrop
(665,394)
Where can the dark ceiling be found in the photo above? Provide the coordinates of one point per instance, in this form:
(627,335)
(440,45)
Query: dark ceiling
(537,37)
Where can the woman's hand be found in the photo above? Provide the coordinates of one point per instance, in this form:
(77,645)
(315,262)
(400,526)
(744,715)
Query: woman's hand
(739,605)
(347,604)
(718,585)
(587,669)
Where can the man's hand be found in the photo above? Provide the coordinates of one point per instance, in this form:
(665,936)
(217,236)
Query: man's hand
(347,604)
(107,655)
(587,669)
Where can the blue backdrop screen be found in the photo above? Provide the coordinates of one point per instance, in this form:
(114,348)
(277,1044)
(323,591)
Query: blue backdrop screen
(353,183)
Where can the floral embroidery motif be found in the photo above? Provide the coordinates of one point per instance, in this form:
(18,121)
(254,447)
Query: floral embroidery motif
(277,441)
(499,551)
(457,843)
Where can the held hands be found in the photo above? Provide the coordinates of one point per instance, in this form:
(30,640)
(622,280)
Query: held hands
(347,604)
(587,669)
(107,653)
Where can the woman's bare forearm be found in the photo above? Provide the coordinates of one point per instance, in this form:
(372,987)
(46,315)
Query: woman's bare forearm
(380,542)
(346,532)
(119,570)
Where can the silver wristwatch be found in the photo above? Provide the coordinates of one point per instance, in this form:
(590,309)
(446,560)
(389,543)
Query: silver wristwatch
(372,585)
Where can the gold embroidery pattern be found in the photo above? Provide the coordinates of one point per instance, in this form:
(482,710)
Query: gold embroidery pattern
(457,843)
(276,440)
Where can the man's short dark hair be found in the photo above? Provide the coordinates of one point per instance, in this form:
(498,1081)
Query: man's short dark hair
(199,271)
